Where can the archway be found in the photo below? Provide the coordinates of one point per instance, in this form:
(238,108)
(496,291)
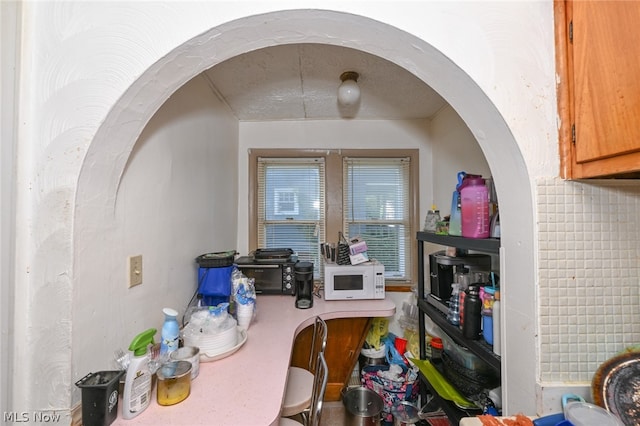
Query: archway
(108,153)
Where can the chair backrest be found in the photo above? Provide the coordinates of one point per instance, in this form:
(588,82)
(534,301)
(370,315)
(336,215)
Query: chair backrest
(319,387)
(318,342)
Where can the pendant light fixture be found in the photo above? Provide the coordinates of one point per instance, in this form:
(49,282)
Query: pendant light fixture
(349,91)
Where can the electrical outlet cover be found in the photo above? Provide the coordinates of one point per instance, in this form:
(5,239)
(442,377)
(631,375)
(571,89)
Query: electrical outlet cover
(135,270)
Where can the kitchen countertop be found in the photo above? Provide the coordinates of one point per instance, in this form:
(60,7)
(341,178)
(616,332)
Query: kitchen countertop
(247,388)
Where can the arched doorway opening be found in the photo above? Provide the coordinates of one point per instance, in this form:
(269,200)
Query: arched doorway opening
(107,155)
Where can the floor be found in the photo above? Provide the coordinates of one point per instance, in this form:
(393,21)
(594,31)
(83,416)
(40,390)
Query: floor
(332,413)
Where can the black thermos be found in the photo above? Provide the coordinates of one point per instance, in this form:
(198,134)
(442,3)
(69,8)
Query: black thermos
(472,326)
(303,272)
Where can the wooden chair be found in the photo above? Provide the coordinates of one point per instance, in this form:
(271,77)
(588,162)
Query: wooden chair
(319,387)
(300,381)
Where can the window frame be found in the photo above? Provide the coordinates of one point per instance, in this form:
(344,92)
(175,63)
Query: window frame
(333,193)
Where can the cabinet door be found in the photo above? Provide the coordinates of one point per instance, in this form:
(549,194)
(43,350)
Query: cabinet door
(601,40)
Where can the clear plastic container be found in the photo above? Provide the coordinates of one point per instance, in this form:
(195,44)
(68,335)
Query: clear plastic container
(585,414)
(453,316)
(432,219)
(464,356)
(455,219)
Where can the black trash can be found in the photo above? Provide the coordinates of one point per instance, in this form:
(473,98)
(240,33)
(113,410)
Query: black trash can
(100,397)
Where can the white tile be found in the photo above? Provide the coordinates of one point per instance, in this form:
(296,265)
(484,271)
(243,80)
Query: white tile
(589,272)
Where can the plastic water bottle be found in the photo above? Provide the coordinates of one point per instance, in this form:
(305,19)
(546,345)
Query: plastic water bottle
(463,294)
(170,331)
(487,297)
(455,221)
(453,316)
(472,326)
(474,200)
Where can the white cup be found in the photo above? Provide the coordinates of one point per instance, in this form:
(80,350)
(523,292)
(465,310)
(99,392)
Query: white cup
(245,315)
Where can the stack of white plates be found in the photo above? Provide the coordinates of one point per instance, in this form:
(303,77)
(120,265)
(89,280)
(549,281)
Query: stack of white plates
(214,343)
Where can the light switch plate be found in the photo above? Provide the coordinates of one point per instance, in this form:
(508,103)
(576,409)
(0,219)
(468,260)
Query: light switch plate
(135,270)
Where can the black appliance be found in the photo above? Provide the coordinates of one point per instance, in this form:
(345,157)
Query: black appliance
(272,270)
(442,272)
(304,285)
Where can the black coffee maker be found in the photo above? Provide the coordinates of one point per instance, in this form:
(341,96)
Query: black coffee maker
(303,281)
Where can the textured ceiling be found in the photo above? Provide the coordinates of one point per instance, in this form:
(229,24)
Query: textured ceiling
(300,81)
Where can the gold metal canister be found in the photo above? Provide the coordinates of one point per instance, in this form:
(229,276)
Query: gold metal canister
(174,382)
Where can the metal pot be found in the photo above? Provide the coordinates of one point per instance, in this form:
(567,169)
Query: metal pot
(362,406)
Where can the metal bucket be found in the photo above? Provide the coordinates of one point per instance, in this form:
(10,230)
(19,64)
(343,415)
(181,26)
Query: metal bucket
(405,414)
(362,406)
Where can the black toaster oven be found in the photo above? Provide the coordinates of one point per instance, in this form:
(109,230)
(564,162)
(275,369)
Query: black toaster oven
(271,269)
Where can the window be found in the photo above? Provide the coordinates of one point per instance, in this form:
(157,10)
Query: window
(301,198)
(376,207)
(291,205)
(286,201)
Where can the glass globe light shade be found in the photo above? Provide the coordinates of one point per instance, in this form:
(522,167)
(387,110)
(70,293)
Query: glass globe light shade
(348,93)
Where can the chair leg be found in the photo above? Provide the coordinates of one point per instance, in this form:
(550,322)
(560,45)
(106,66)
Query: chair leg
(305,418)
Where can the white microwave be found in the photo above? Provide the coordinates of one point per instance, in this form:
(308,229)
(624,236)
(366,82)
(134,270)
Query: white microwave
(354,282)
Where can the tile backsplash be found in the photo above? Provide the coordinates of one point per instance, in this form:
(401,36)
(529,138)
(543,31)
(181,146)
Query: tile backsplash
(589,274)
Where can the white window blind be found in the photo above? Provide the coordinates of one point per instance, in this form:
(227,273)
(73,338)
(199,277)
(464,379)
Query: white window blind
(376,207)
(291,206)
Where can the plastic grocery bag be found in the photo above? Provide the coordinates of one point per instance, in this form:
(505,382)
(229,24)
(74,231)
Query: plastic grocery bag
(393,356)
(378,331)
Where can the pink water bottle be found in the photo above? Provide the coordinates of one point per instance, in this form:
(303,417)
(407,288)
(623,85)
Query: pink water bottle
(474,212)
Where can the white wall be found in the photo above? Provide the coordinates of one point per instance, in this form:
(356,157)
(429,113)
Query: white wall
(589,292)
(455,149)
(9,30)
(446,146)
(91,74)
(328,134)
(176,200)
(94,74)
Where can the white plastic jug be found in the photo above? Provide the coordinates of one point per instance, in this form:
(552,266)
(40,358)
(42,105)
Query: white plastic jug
(474,200)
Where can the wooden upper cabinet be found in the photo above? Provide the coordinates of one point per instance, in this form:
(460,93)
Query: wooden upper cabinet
(598,64)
